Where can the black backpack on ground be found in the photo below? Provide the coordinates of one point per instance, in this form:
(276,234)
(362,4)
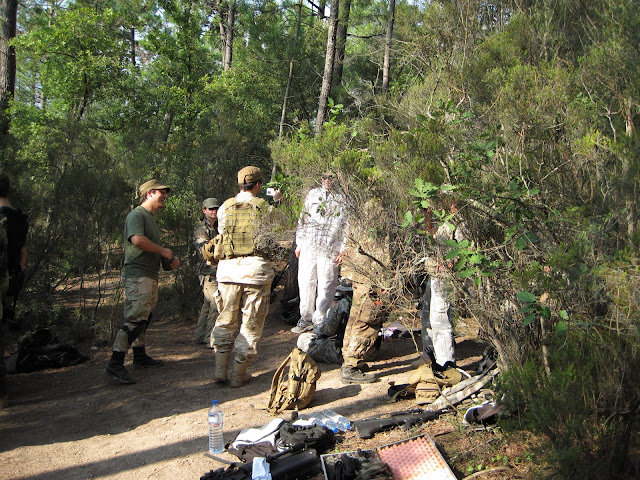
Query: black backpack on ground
(317,437)
(296,463)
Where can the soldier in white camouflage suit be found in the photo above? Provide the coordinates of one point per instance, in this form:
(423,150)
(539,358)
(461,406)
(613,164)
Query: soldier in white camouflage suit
(320,240)
(212,302)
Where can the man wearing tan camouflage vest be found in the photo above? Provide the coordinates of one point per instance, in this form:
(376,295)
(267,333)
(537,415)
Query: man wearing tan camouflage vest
(244,280)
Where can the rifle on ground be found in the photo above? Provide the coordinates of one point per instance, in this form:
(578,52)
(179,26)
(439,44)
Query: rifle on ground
(368,427)
(408,418)
(296,462)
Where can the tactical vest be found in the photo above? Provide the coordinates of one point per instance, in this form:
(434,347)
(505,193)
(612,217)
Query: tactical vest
(239,222)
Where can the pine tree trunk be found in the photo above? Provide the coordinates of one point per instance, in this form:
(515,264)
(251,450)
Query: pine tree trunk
(386,66)
(341,40)
(7,61)
(328,67)
(289,78)
(228,44)
(133,46)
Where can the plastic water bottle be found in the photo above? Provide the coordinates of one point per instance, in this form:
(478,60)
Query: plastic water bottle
(318,418)
(216,442)
(338,420)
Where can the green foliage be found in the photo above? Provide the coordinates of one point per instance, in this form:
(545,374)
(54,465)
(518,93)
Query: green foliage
(531,113)
(581,406)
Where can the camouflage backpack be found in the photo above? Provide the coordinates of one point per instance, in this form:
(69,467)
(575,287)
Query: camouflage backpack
(294,383)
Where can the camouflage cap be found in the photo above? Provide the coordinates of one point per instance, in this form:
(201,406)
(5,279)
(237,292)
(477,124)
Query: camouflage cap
(249,175)
(210,203)
(152,184)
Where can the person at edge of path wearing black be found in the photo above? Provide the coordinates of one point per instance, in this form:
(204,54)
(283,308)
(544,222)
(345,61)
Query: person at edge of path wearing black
(16,225)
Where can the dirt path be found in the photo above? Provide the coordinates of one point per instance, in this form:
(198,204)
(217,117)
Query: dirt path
(75,423)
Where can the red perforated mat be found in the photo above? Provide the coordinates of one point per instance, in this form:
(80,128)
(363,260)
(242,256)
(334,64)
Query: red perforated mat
(416,459)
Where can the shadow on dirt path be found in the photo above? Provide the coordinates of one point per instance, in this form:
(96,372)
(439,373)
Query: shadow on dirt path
(76,423)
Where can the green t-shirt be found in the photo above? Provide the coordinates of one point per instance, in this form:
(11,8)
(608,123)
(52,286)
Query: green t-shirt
(137,262)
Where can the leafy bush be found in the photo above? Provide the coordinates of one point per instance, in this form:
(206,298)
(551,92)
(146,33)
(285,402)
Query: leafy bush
(587,405)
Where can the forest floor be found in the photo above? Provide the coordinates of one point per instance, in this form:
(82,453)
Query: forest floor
(77,423)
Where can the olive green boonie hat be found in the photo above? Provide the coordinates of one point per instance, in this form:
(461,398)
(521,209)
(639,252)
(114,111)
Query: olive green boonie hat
(249,175)
(152,184)
(210,203)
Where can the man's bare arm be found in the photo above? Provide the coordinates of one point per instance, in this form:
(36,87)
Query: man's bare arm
(143,243)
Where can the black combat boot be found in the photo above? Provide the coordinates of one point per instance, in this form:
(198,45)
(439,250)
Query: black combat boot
(350,375)
(142,360)
(116,368)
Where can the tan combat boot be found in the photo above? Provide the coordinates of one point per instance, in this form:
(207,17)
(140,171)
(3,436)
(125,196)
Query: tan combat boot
(222,364)
(239,375)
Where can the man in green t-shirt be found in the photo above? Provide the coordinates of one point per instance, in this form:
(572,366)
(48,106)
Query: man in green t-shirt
(143,255)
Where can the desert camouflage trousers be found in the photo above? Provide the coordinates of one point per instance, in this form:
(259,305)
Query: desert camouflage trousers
(211,306)
(141,297)
(253,301)
(368,311)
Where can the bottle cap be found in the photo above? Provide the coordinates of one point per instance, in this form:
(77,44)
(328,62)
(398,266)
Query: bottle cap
(214,402)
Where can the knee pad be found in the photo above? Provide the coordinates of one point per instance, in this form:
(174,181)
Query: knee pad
(133,333)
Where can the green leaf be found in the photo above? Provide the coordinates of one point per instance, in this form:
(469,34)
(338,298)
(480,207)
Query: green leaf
(461,264)
(476,258)
(563,314)
(526,297)
(545,312)
(528,320)
(528,310)
(453,254)
(408,220)
(562,327)
(521,243)
(467,273)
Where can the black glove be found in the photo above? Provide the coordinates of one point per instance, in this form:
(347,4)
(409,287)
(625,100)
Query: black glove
(166,263)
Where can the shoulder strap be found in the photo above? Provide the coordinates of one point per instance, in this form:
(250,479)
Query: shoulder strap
(303,377)
(228,202)
(257,202)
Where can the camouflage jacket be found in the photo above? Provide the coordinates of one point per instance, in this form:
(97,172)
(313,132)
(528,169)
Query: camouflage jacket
(204,232)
